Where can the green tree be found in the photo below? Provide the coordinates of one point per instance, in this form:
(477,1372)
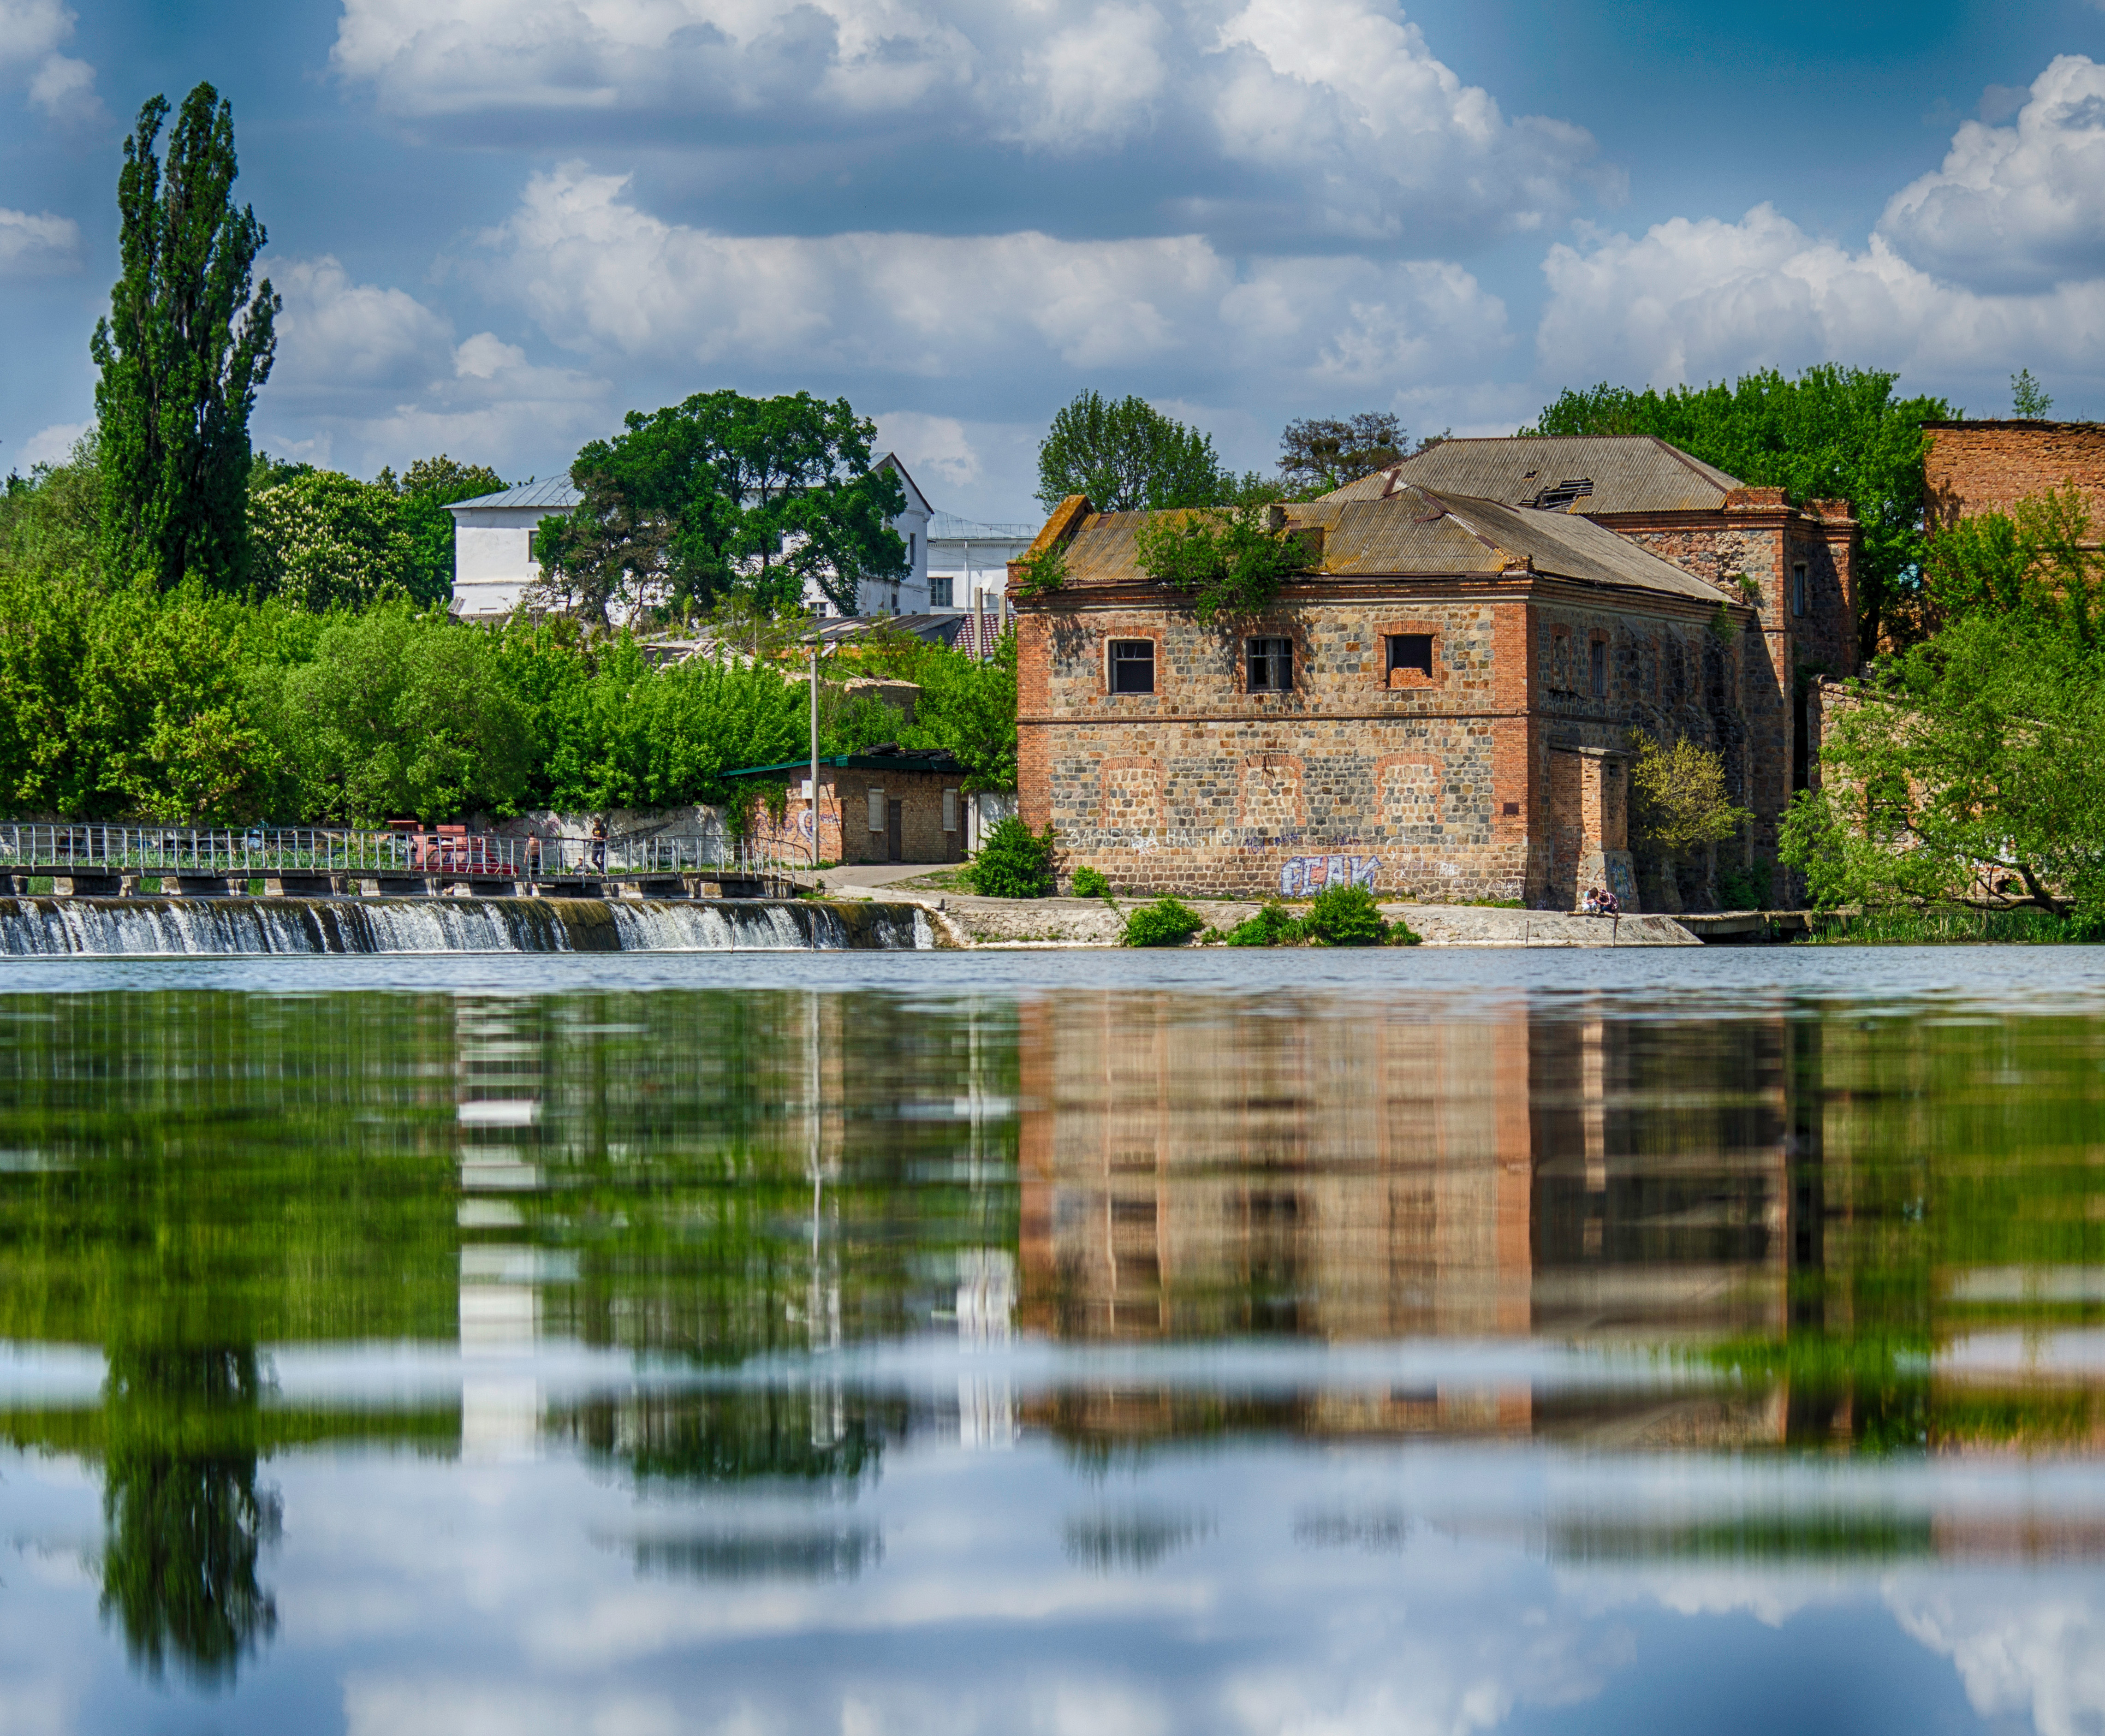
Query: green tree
(2040,561)
(966,707)
(51,520)
(1317,454)
(1126,455)
(182,354)
(2028,399)
(724,493)
(1966,772)
(427,488)
(397,712)
(1832,433)
(1678,801)
(322,540)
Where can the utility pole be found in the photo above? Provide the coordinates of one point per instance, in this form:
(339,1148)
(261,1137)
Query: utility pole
(818,643)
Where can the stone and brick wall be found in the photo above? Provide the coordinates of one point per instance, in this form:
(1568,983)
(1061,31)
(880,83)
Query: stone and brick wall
(1434,788)
(1989,467)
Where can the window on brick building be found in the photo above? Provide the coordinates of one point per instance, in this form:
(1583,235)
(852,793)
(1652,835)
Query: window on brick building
(1797,588)
(1132,665)
(1271,665)
(1599,668)
(1410,651)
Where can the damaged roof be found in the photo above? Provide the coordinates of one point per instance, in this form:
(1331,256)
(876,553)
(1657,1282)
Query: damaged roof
(1581,474)
(1416,532)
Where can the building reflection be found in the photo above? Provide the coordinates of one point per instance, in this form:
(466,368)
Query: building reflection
(1530,1176)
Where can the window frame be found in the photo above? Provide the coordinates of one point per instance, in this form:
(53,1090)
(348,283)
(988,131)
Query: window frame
(1797,590)
(1391,662)
(1280,646)
(1596,667)
(877,815)
(1112,660)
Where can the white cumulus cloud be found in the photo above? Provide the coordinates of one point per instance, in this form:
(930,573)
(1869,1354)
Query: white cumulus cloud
(1697,300)
(334,334)
(31,33)
(2017,206)
(37,243)
(1272,117)
(599,274)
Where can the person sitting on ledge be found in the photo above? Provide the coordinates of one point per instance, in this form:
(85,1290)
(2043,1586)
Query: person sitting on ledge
(1591,906)
(1610,905)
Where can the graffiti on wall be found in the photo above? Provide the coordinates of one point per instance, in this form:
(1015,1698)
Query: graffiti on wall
(1301,875)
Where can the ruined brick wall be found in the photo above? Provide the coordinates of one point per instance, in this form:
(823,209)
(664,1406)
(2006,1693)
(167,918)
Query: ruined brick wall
(844,817)
(1434,788)
(1989,467)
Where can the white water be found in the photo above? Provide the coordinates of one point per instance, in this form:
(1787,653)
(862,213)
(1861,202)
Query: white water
(173,926)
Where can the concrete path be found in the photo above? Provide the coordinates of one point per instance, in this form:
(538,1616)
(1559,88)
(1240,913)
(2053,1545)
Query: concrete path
(971,921)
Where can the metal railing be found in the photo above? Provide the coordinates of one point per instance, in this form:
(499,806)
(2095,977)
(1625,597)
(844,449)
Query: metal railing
(259,851)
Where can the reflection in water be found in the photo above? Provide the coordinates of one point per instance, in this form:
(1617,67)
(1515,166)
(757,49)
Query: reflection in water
(1158,1295)
(185,1523)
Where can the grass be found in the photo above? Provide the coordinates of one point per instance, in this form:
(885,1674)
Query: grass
(1916,927)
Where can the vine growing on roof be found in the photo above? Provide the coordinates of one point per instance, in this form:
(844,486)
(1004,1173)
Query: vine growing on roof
(1230,561)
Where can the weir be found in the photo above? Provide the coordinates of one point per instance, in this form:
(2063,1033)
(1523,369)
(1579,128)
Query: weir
(136,927)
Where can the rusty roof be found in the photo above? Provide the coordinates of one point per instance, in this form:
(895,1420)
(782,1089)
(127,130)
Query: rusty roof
(1622,473)
(1415,533)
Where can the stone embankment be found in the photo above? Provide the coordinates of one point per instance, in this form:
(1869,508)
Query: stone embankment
(965,921)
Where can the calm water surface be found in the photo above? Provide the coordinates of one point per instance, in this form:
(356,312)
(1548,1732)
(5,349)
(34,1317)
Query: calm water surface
(1098,1343)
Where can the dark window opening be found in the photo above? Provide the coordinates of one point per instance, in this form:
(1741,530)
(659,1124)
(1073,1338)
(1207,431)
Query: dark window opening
(1512,810)
(1410,651)
(939,593)
(1600,669)
(1798,589)
(532,537)
(1132,665)
(1271,665)
(1577,488)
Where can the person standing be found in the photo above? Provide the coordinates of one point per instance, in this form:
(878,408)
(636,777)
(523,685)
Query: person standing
(599,845)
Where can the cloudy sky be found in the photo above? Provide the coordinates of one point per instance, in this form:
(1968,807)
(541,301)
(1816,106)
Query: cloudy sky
(498,224)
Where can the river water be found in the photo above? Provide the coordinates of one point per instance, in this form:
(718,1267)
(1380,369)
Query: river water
(1101,1344)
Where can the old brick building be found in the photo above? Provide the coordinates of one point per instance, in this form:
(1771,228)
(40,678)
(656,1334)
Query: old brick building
(1989,467)
(1442,706)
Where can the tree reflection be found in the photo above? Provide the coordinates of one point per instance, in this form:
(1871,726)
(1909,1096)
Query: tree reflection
(185,1522)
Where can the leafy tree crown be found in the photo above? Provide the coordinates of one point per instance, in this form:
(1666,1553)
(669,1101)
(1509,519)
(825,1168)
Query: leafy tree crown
(1126,455)
(182,352)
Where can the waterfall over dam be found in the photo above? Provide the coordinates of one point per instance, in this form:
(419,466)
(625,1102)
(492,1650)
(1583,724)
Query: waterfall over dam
(131,928)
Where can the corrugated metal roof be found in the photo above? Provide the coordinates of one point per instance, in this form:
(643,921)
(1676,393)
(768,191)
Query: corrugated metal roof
(1630,473)
(1416,533)
(556,495)
(947,527)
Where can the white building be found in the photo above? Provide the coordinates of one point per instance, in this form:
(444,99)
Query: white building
(965,557)
(495,560)
(910,596)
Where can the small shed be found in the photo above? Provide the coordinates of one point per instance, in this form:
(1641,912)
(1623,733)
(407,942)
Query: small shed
(878,806)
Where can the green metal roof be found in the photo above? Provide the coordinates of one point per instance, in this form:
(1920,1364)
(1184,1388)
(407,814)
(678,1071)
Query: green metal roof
(858,763)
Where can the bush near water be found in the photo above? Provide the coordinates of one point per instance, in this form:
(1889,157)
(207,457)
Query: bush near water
(1013,862)
(1340,916)
(1165,923)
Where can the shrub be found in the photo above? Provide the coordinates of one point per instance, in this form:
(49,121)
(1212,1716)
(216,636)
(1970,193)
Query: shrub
(1165,923)
(1345,916)
(1400,933)
(1089,882)
(1272,926)
(1014,862)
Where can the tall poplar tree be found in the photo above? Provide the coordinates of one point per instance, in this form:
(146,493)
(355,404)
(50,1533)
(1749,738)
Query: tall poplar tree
(185,348)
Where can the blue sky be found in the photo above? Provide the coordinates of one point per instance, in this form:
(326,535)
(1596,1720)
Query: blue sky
(498,224)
